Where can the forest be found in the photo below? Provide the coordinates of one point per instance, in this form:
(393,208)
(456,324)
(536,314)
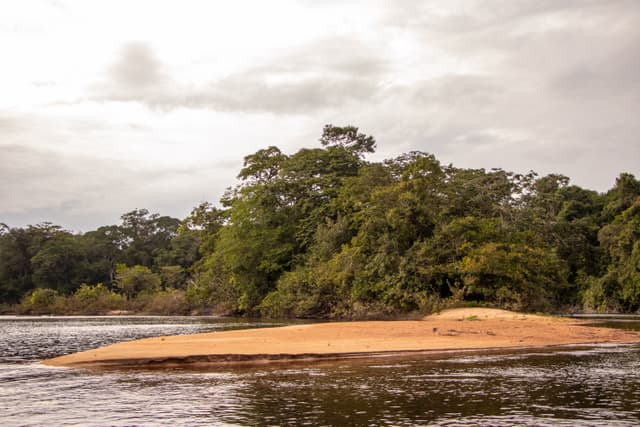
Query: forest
(325,233)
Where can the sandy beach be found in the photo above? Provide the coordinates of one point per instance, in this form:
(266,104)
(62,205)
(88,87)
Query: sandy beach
(456,329)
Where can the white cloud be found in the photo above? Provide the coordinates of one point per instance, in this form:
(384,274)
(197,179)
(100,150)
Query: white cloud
(109,106)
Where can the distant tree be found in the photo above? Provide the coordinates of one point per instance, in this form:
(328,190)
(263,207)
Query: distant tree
(15,265)
(135,280)
(348,137)
(59,264)
(173,276)
(203,224)
(183,251)
(143,234)
(103,248)
(23,267)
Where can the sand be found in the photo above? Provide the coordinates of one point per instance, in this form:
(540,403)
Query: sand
(457,329)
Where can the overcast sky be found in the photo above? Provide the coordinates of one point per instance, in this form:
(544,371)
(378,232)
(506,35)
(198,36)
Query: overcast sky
(108,106)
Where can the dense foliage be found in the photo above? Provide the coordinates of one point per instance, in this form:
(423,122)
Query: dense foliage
(324,232)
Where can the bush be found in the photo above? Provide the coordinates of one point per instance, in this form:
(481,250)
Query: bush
(169,302)
(42,301)
(95,299)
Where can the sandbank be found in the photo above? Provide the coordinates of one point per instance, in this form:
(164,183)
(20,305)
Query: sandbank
(457,329)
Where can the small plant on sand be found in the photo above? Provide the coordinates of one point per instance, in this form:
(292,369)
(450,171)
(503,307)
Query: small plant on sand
(472,317)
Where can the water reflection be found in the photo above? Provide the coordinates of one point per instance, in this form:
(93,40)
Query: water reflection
(574,386)
(600,387)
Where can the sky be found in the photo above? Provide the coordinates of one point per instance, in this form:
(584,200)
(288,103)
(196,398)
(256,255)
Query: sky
(109,106)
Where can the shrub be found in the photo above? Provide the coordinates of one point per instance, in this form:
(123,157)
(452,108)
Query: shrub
(95,299)
(169,302)
(42,301)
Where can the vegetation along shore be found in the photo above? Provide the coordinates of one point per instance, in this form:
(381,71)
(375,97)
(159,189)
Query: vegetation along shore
(326,233)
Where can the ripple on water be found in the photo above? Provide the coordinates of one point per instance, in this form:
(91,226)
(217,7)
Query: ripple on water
(595,387)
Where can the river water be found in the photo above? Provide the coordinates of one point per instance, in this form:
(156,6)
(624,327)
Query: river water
(571,386)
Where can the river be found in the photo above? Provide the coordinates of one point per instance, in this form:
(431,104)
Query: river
(572,386)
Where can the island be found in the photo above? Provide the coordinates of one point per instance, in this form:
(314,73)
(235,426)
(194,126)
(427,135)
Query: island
(451,330)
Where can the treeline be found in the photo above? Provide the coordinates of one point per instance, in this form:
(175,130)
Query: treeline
(325,233)
(145,254)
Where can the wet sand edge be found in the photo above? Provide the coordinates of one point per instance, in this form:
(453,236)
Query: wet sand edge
(495,330)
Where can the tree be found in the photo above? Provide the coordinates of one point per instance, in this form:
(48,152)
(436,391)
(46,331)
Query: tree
(203,224)
(59,264)
(348,138)
(15,265)
(621,241)
(274,214)
(183,251)
(516,276)
(135,280)
(263,166)
(143,234)
(19,247)
(621,196)
(103,248)
(325,232)
(173,276)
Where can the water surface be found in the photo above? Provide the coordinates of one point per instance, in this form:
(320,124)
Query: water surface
(573,386)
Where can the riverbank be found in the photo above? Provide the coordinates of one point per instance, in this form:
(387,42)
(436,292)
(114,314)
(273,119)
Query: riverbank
(457,329)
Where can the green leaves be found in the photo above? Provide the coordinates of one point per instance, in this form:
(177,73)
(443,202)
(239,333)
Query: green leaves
(324,232)
(262,166)
(135,280)
(621,241)
(516,276)
(349,138)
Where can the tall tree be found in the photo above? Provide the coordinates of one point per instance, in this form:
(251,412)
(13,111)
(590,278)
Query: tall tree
(60,264)
(103,249)
(621,241)
(145,233)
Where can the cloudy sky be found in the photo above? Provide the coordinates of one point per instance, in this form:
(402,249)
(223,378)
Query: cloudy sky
(108,106)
